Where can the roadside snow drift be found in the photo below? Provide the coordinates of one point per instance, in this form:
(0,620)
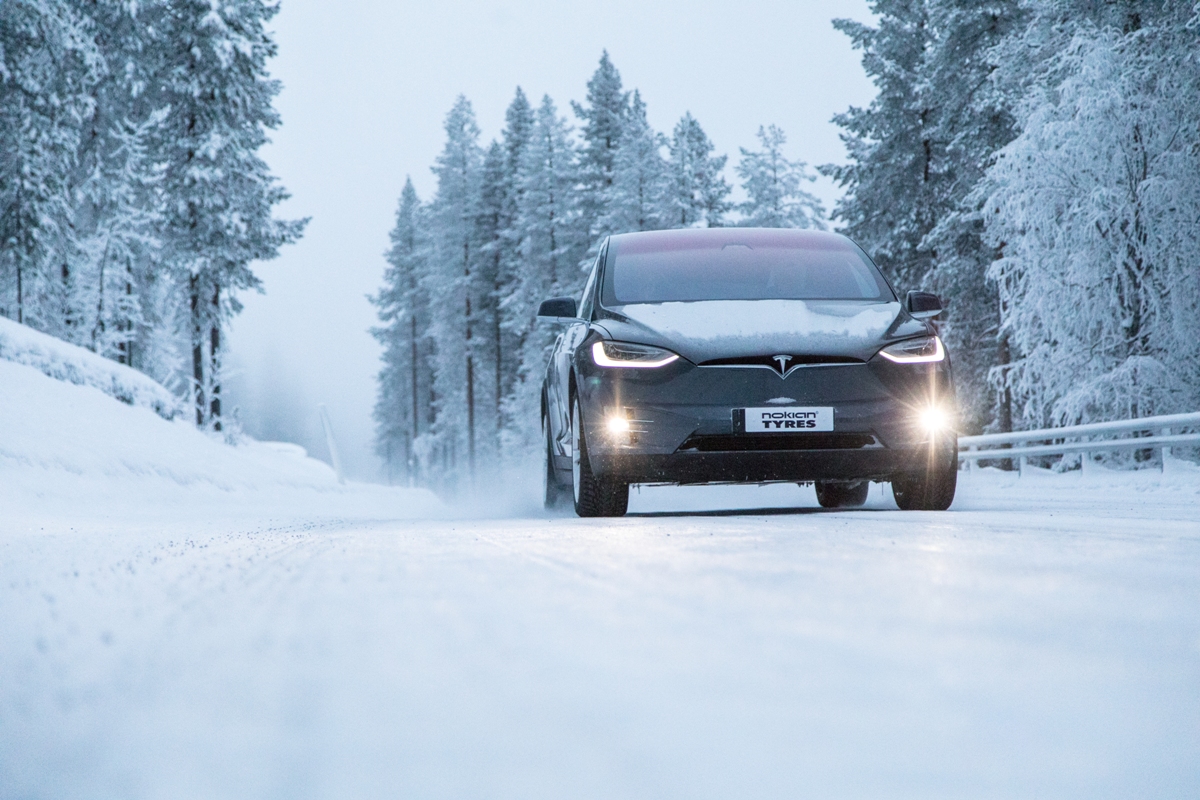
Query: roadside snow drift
(71,451)
(66,362)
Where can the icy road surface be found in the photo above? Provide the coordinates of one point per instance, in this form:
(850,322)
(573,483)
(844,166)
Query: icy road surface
(1041,639)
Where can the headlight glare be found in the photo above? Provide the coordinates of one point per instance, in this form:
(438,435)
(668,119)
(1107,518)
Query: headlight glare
(635,356)
(915,351)
(935,419)
(617,425)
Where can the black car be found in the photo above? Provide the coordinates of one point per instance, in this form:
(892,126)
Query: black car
(743,355)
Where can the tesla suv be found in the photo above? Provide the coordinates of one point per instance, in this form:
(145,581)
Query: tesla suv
(742,355)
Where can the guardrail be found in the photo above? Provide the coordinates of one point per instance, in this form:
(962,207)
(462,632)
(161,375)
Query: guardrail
(1079,439)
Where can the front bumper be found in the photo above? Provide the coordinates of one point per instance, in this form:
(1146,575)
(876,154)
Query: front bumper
(764,467)
(682,427)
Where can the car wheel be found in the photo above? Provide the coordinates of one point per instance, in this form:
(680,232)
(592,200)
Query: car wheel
(932,488)
(594,497)
(554,494)
(836,494)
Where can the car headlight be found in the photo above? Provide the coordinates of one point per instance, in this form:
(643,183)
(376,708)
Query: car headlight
(915,351)
(624,354)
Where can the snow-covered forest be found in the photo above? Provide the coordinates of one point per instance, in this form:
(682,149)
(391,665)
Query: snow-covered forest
(1035,162)
(519,220)
(132,198)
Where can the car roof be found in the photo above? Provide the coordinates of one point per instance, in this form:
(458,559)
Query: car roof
(716,238)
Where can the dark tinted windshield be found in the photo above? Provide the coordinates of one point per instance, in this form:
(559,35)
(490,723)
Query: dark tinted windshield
(738,264)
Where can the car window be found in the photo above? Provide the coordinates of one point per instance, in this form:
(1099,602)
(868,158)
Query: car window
(585,301)
(757,268)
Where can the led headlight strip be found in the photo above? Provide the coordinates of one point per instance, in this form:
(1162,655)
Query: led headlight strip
(915,351)
(630,356)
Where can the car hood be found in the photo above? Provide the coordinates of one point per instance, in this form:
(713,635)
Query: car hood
(712,329)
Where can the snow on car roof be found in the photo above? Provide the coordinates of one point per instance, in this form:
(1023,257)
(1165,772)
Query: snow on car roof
(717,238)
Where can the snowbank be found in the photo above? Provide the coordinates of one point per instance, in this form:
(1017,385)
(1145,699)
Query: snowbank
(66,362)
(69,452)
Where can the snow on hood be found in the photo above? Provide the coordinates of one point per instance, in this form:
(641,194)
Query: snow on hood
(716,320)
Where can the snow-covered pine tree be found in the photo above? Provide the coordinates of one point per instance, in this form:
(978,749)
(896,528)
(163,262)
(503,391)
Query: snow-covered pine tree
(403,407)
(915,155)
(219,192)
(1095,208)
(603,122)
(553,246)
(49,65)
(115,221)
(890,202)
(773,184)
(699,193)
(638,198)
(490,223)
(116,202)
(454,287)
(517,134)
(972,121)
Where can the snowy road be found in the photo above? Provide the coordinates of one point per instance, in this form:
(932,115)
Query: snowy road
(984,652)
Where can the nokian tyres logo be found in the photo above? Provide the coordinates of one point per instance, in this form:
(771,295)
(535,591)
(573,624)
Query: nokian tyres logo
(789,420)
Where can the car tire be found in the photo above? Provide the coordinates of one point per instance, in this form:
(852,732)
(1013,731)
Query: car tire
(838,494)
(594,496)
(554,494)
(932,488)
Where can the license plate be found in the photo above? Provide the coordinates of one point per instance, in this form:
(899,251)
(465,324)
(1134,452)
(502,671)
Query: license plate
(787,419)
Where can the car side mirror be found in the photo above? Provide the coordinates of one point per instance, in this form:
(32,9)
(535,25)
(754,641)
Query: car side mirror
(923,305)
(558,308)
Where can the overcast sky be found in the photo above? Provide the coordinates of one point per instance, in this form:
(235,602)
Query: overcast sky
(365,89)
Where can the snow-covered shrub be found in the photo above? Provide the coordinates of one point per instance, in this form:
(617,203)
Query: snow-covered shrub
(67,362)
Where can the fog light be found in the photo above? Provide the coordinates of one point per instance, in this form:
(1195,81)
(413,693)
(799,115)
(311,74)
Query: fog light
(618,426)
(934,419)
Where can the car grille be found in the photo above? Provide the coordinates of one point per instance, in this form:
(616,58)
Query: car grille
(770,363)
(742,442)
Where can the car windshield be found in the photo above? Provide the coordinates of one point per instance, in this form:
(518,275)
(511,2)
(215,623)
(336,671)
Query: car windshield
(728,264)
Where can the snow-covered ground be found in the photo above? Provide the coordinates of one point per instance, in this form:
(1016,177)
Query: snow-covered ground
(57,359)
(184,619)
(71,455)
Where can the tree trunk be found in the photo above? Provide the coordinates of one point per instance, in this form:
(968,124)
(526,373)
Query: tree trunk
(197,348)
(126,345)
(470,366)
(470,397)
(470,413)
(98,328)
(1004,402)
(20,292)
(497,334)
(415,422)
(67,317)
(416,403)
(214,372)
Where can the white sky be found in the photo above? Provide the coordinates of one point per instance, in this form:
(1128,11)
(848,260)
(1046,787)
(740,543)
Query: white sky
(366,87)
